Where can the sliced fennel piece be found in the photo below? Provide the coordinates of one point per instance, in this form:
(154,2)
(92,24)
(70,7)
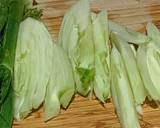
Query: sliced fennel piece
(153,55)
(102,57)
(32,67)
(132,70)
(61,84)
(76,38)
(75,20)
(139,108)
(128,34)
(146,60)
(153,63)
(153,32)
(121,92)
(154,35)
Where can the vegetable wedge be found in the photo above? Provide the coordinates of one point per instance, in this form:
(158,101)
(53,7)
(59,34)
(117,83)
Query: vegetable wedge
(149,62)
(32,67)
(121,92)
(132,70)
(143,63)
(102,57)
(61,85)
(127,34)
(76,38)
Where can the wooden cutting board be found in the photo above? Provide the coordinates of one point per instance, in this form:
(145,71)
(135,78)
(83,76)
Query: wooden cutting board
(90,113)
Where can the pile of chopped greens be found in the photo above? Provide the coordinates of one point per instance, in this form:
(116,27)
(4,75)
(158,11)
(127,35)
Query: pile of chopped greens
(93,55)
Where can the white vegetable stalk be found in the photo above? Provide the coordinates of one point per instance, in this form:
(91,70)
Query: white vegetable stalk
(148,58)
(102,57)
(61,85)
(76,38)
(127,34)
(153,32)
(131,67)
(142,61)
(121,92)
(32,67)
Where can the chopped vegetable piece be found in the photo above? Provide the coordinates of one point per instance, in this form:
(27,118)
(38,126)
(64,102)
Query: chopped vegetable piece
(102,57)
(148,63)
(76,38)
(61,85)
(130,63)
(32,67)
(121,92)
(148,58)
(127,34)
(153,32)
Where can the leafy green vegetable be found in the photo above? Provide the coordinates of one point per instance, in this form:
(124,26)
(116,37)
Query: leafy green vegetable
(13,11)
(130,63)
(6,111)
(61,84)
(102,57)
(121,92)
(32,67)
(76,38)
(33,12)
(127,34)
(3,13)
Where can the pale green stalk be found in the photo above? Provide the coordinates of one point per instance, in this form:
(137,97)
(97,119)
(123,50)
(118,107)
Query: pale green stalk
(61,84)
(128,34)
(147,62)
(122,93)
(102,57)
(148,58)
(76,38)
(130,63)
(32,67)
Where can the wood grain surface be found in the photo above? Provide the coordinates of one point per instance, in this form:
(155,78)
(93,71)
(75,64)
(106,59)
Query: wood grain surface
(82,112)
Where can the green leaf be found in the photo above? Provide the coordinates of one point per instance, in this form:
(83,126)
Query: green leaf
(33,13)
(13,13)
(6,111)
(3,13)
(5,79)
